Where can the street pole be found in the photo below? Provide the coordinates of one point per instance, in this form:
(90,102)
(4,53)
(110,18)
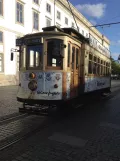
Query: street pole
(54,12)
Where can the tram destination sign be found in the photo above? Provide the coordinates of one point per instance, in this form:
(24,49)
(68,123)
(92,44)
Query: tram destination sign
(23,41)
(97,45)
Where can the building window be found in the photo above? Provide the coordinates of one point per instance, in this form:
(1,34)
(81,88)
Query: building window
(58,25)
(1,63)
(48,8)
(35,20)
(1,37)
(87,35)
(66,20)
(73,25)
(78,29)
(1,7)
(48,22)
(20,11)
(58,15)
(82,32)
(36,1)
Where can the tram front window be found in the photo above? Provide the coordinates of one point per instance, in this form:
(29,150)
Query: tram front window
(54,53)
(35,56)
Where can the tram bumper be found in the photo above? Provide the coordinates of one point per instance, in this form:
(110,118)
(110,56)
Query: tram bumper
(40,102)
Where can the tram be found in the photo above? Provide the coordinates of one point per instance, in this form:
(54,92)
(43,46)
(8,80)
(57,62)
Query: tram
(59,65)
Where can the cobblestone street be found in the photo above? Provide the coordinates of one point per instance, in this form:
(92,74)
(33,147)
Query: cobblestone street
(8,102)
(59,80)
(91,133)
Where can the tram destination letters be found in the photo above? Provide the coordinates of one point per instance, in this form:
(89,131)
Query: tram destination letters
(48,93)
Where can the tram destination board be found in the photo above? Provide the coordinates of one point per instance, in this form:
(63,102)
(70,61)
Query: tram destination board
(22,41)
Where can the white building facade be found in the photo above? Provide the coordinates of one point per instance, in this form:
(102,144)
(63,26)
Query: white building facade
(20,17)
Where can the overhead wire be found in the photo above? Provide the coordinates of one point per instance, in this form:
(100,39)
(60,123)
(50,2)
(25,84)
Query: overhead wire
(72,14)
(107,24)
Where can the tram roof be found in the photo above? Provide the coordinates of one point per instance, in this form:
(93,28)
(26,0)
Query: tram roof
(70,31)
(55,30)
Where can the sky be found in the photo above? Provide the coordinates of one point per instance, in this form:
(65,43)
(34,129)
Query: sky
(103,12)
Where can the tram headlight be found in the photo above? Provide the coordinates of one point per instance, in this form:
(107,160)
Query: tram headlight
(32,75)
(32,85)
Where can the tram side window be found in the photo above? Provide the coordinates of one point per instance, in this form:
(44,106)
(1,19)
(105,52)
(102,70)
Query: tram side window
(90,64)
(77,58)
(23,57)
(107,68)
(73,54)
(35,56)
(104,68)
(68,59)
(95,65)
(54,53)
(98,67)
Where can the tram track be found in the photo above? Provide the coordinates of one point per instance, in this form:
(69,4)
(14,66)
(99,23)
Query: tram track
(13,118)
(4,144)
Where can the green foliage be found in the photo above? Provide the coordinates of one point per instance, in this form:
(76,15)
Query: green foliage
(115,67)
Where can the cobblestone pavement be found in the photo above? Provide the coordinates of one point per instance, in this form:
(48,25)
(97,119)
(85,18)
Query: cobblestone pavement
(115,83)
(88,134)
(8,102)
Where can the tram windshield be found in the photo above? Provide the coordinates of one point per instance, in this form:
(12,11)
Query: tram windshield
(54,52)
(34,53)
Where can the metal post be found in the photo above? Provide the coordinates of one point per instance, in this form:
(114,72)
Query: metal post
(54,12)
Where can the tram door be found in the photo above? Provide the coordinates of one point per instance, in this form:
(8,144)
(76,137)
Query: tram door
(75,70)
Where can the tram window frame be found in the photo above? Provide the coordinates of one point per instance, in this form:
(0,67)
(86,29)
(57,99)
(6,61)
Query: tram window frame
(54,61)
(98,66)
(39,66)
(90,64)
(104,68)
(68,55)
(73,57)
(108,68)
(94,65)
(22,58)
(77,58)
(101,72)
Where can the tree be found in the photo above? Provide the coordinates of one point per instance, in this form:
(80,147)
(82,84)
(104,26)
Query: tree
(115,67)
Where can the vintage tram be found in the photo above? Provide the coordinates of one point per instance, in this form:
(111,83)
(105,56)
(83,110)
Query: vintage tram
(60,65)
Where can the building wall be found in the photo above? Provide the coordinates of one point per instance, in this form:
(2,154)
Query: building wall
(12,29)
